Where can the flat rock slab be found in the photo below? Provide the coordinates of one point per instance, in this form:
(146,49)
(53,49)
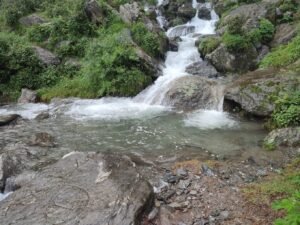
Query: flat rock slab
(81,189)
(7,119)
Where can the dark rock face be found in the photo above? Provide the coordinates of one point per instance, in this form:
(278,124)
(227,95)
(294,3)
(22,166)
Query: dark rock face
(94,11)
(288,137)
(46,57)
(6,120)
(204,13)
(253,91)
(225,61)
(203,69)
(31,20)
(82,188)
(284,33)
(193,92)
(27,96)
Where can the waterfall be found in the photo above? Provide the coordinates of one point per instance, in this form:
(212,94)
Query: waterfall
(176,62)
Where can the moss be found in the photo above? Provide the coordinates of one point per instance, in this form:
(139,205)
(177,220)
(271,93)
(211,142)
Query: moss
(208,45)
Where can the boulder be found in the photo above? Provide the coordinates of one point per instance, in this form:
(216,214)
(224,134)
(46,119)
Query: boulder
(27,96)
(8,119)
(284,33)
(203,69)
(225,61)
(81,188)
(46,57)
(129,12)
(194,92)
(254,91)
(187,11)
(288,137)
(31,20)
(180,30)
(149,64)
(204,13)
(42,139)
(94,12)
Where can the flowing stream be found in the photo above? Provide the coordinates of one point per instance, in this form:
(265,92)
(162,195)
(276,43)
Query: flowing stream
(145,124)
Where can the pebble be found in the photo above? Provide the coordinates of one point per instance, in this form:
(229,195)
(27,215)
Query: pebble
(153,214)
(193,192)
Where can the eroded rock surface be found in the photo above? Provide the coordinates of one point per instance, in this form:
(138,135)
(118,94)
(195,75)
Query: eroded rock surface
(82,188)
(289,137)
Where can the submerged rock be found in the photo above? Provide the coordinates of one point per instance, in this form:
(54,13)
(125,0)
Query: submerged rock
(8,119)
(193,92)
(82,188)
(42,139)
(27,96)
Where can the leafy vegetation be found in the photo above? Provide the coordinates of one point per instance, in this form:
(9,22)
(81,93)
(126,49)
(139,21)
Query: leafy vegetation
(208,45)
(283,55)
(287,111)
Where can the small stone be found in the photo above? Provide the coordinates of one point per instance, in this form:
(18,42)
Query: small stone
(193,192)
(182,173)
(261,173)
(183,184)
(207,171)
(175,205)
(224,215)
(153,214)
(170,178)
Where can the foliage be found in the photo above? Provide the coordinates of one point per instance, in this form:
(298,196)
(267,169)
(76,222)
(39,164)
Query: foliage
(283,55)
(235,42)
(208,45)
(147,40)
(113,67)
(287,111)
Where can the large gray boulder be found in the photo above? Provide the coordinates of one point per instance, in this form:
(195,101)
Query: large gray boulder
(31,20)
(284,33)
(194,92)
(203,69)
(27,96)
(255,91)
(130,12)
(46,57)
(225,61)
(82,189)
(287,137)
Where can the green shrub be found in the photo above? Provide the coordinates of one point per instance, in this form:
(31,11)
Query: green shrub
(292,208)
(113,67)
(148,41)
(208,45)
(287,111)
(235,42)
(234,25)
(266,30)
(284,55)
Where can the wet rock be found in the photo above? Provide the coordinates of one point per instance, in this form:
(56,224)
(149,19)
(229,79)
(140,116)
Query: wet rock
(207,171)
(252,91)
(46,57)
(94,12)
(203,69)
(152,215)
(182,173)
(42,139)
(86,187)
(193,92)
(8,119)
(187,11)
(169,177)
(15,182)
(225,61)
(284,33)
(42,116)
(289,137)
(27,96)
(130,12)
(31,20)
(180,30)
(9,166)
(204,13)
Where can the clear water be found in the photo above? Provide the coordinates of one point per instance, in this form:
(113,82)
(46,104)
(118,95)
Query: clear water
(143,125)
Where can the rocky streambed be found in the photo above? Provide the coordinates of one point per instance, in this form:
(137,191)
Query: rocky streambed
(47,182)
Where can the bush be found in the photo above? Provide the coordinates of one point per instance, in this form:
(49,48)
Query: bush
(208,45)
(284,55)
(266,30)
(147,40)
(113,67)
(235,42)
(287,111)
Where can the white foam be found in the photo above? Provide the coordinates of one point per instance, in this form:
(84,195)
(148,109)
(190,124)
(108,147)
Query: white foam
(113,109)
(27,111)
(209,119)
